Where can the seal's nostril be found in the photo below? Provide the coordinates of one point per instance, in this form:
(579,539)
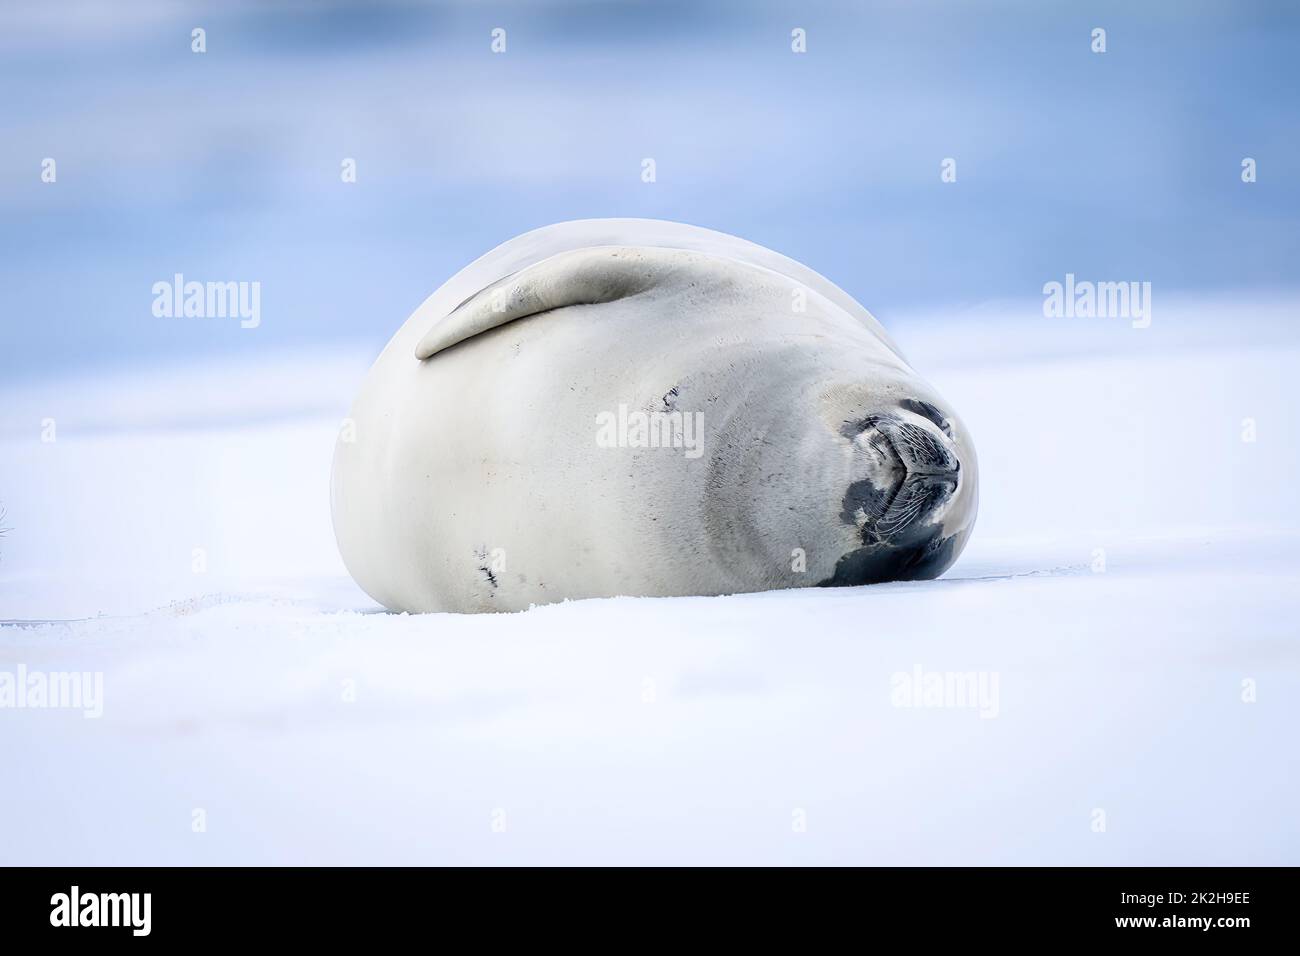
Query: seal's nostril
(929,412)
(921,450)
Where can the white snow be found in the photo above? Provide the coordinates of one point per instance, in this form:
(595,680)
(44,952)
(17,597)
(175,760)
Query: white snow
(1132,577)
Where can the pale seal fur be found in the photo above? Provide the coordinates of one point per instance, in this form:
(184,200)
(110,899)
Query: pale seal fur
(634,407)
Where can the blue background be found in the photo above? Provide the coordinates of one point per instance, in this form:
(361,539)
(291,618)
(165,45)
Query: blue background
(225,166)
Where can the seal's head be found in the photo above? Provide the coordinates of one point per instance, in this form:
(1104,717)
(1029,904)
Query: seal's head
(913,493)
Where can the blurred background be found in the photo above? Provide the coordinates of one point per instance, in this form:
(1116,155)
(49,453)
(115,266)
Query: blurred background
(226,165)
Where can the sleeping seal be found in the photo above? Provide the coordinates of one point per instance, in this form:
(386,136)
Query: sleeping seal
(633,407)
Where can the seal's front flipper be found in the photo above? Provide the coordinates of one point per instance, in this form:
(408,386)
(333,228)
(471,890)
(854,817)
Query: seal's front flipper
(582,277)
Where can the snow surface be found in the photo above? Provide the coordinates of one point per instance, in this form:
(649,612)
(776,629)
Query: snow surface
(1134,563)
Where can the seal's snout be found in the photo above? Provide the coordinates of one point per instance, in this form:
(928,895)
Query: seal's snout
(909,486)
(911,472)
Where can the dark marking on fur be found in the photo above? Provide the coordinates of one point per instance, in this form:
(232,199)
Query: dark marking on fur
(922,560)
(866,502)
(485,568)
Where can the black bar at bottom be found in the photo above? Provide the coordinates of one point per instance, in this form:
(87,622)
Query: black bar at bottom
(338,905)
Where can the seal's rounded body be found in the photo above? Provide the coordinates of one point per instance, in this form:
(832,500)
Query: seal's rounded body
(632,407)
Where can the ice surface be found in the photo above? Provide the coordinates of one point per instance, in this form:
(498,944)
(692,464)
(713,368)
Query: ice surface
(1135,562)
